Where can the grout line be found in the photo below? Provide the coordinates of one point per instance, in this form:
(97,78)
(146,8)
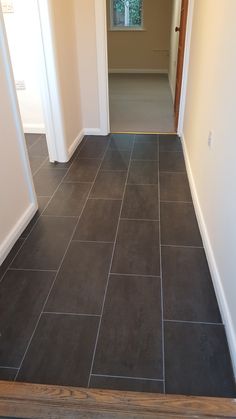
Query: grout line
(58,313)
(92,241)
(36,141)
(193,322)
(139,219)
(40,167)
(180,245)
(32,270)
(145,160)
(67,247)
(126,377)
(104,199)
(176,202)
(142,276)
(173,172)
(142,184)
(59,216)
(161,276)
(8,368)
(110,266)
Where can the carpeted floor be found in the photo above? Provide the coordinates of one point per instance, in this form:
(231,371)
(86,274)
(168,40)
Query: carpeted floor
(140,102)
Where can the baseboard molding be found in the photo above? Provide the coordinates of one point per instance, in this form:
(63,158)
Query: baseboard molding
(215,274)
(92,131)
(16,231)
(34,128)
(75,143)
(137,71)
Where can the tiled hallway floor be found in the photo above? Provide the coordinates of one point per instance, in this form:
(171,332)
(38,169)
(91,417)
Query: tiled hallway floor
(109,287)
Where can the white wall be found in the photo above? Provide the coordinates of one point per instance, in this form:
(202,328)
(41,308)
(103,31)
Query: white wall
(22,26)
(210,106)
(17,197)
(174,43)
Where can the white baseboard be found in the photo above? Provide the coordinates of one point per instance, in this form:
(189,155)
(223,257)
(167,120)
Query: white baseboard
(75,143)
(215,274)
(137,71)
(92,131)
(34,128)
(16,231)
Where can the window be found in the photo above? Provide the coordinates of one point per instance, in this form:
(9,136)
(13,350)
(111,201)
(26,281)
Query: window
(126,14)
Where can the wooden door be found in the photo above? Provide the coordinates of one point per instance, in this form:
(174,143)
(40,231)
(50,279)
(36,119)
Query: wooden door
(180,62)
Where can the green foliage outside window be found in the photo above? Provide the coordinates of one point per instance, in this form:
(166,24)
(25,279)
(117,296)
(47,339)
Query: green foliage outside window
(135,12)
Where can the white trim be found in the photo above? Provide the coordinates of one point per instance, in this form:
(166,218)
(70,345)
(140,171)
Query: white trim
(102,65)
(34,128)
(16,231)
(215,274)
(92,131)
(137,71)
(185,66)
(75,143)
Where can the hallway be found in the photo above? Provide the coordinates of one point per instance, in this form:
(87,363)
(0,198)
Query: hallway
(109,287)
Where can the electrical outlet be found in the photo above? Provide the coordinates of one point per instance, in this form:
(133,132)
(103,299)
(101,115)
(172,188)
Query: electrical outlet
(210,139)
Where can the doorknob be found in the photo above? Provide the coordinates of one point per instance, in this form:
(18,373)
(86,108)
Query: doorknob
(177,29)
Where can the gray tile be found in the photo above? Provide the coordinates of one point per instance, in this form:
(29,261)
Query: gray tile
(39,148)
(99,220)
(145,151)
(94,148)
(69,199)
(36,163)
(179,225)
(7,374)
(188,289)
(83,170)
(197,360)
(121,141)
(143,172)
(82,279)
(31,139)
(66,349)
(172,162)
(46,244)
(4,266)
(126,384)
(146,138)
(141,202)
(116,160)
(46,181)
(169,143)
(137,248)
(174,187)
(22,295)
(109,185)
(42,203)
(130,338)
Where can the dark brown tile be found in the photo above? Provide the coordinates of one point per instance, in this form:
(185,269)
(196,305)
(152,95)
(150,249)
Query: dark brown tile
(126,384)
(174,187)
(66,349)
(39,148)
(121,141)
(130,338)
(141,202)
(22,295)
(146,138)
(109,185)
(83,170)
(143,173)
(137,248)
(69,199)
(116,160)
(94,148)
(46,181)
(197,360)
(81,282)
(46,244)
(145,151)
(7,374)
(169,143)
(187,285)
(179,225)
(42,203)
(98,221)
(172,162)
(4,266)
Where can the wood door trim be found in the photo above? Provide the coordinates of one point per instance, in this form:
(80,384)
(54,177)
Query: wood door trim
(20,400)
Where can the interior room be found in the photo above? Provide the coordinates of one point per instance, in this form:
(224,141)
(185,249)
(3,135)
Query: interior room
(142,60)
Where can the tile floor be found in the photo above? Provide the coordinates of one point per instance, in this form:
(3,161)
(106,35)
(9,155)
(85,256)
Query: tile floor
(109,287)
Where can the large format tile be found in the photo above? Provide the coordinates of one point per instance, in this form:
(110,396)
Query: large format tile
(39,148)
(94,148)
(145,151)
(197,360)
(126,384)
(109,185)
(69,199)
(141,202)
(169,143)
(179,225)
(143,173)
(83,170)
(121,141)
(22,295)
(4,266)
(146,138)
(187,285)
(130,339)
(42,203)
(7,374)
(46,181)
(31,139)
(66,349)
(36,163)
(172,162)
(80,285)
(174,187)
(46,244)
(116,160)
(137,248)
(98,221)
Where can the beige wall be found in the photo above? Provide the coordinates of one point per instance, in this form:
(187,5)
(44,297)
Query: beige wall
(211,106)
(148,49)
(174,43)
